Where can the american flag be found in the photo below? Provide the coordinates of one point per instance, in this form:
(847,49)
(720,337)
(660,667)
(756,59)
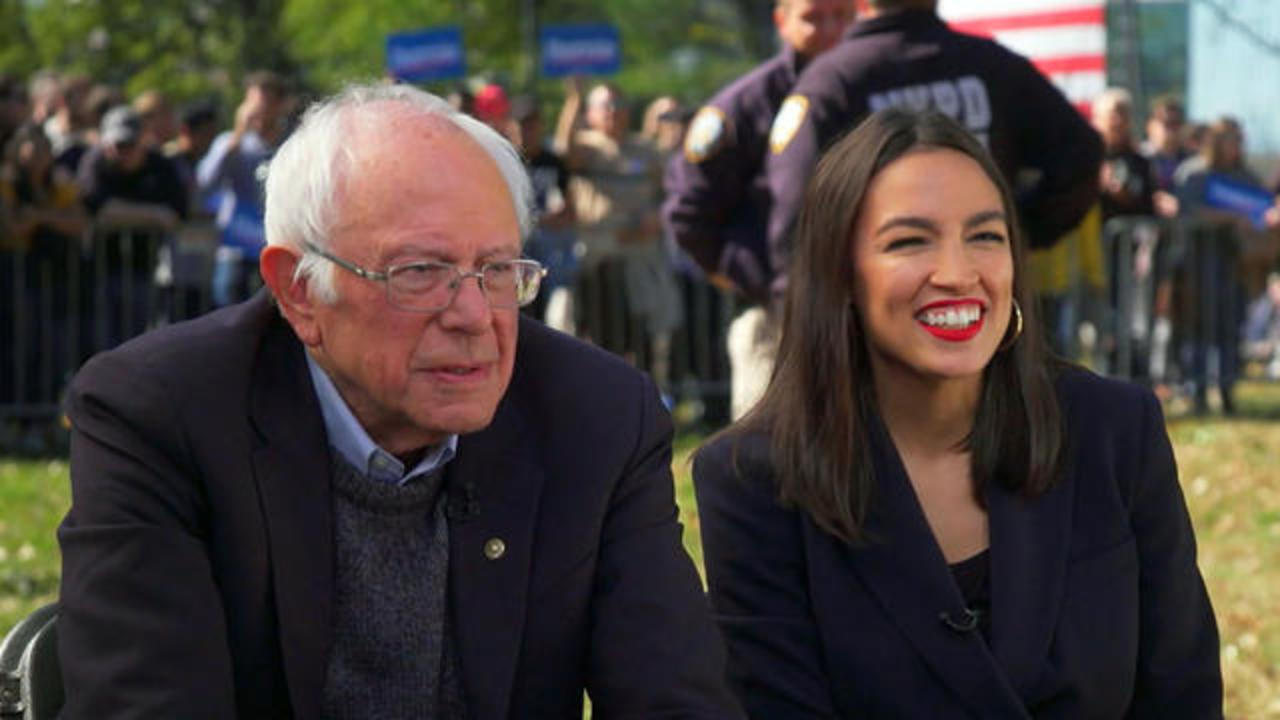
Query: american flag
(1065,39)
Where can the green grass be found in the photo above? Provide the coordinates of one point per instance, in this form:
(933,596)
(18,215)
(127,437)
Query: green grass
(1229,467)
(34,496)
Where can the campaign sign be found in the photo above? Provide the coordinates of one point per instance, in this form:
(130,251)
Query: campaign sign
(1251,201)
(244,230)
(434,54)
(580,50)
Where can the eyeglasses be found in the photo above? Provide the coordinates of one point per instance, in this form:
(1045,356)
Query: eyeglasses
(426,286)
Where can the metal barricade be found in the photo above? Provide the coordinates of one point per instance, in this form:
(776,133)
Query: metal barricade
(1211,308)
(1134,249)
(61,306)
(1184,275)
(697,366)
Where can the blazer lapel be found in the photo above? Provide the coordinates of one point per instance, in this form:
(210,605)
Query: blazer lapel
(903,567)
(491,534)
(291,466)
(1029,547)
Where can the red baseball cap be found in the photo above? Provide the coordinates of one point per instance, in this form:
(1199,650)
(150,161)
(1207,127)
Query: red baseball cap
(491,103)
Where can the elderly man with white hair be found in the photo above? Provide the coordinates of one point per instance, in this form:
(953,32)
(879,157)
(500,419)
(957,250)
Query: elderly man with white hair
(376,490)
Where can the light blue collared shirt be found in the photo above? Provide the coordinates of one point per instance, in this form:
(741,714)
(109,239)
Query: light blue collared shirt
(353,443)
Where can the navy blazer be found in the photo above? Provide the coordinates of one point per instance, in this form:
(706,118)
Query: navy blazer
(198,555)
(1097,607)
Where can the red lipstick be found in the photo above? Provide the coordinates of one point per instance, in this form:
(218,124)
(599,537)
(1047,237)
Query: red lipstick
(953,334)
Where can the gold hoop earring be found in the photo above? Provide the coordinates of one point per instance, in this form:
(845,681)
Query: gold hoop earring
(1017,327)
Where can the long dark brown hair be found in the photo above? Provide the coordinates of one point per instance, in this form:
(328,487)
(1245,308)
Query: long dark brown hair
(821,397)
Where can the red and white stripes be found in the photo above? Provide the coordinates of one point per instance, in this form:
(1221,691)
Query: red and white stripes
(1065,39)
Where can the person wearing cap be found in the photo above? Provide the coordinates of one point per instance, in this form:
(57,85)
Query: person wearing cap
(127,184)
(135,198)
(492,107)
(235,167)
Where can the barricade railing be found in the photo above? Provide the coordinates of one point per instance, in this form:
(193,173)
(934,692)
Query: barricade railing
(697,366)
(60,306)
(65,301)
(1176,301)
(1134,248)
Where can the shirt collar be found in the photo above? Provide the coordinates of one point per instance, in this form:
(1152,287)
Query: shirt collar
(349,438)
(896,20)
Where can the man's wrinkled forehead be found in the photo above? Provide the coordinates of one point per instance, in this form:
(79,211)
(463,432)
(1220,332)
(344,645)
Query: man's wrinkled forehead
(389,139)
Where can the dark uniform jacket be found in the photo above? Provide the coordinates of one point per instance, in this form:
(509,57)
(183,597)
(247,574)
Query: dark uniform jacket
(198,558)
(1097,607)
(910,59)
(718,198)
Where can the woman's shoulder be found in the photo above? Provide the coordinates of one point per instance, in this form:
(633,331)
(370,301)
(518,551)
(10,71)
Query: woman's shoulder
(1100,404)
(735,455)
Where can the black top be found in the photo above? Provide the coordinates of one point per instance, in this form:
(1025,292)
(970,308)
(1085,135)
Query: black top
(547,171)
(973,577)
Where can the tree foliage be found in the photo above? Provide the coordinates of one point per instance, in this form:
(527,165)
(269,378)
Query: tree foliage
(192,48)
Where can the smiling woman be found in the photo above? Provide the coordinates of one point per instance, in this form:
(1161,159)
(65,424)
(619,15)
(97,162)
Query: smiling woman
(925,512)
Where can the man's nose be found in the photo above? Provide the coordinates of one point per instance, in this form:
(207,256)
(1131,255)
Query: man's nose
(470,309)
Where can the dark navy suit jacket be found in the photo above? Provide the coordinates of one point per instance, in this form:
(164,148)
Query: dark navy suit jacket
(1097,607)
(198,555)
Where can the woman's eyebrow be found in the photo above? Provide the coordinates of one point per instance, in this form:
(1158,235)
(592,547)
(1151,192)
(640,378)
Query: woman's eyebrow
(985,217)
(907,221)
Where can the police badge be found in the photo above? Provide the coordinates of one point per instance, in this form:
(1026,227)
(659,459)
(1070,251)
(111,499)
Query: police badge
(787,122)
(706,134)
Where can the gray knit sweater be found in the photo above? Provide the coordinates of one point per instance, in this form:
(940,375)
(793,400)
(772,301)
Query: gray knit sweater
(392,654)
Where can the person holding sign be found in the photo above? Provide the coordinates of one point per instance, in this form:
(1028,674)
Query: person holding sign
(232,175)
(1215,187)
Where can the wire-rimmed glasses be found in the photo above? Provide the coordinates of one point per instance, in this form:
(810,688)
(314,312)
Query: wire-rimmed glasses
(429,286)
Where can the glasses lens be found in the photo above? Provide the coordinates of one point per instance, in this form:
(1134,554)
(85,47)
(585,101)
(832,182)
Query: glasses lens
(512,283)
(429,287)
(421,286)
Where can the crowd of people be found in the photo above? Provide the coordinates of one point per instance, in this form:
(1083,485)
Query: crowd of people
(96,190)
(377,488)
(637,211)
(1189,277)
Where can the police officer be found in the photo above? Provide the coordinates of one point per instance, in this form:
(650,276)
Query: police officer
(717,195)
(901,54)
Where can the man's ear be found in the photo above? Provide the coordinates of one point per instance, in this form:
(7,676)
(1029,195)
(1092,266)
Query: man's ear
(278,266)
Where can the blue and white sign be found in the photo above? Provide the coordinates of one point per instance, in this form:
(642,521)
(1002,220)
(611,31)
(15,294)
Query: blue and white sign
(580,50)
(244,230)
(434,54)
(1226,194)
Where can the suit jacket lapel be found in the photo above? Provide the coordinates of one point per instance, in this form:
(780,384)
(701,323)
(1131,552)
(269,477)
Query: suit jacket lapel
(1029,547)
(291,466)
(903,567)
(490,554)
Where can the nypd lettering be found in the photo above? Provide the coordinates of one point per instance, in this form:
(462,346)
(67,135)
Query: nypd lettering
(964,99)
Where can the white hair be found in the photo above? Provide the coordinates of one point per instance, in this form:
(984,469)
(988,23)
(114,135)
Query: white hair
(305,173)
